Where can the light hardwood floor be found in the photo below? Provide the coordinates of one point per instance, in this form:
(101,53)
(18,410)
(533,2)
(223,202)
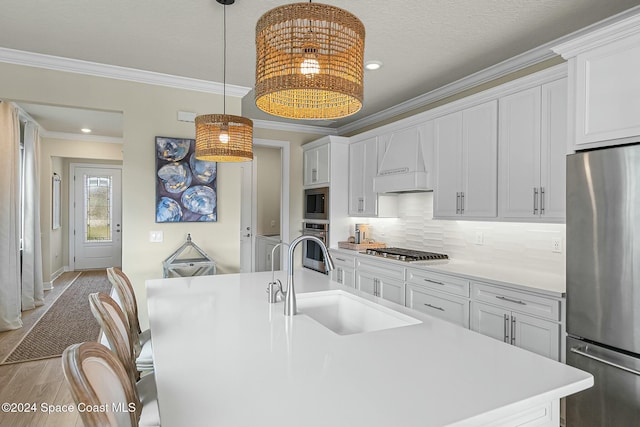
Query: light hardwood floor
(38,382)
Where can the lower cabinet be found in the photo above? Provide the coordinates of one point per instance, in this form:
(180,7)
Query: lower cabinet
(380,286)
(517,327)
(440,295)
(345,270)
(386,281)
(438,304)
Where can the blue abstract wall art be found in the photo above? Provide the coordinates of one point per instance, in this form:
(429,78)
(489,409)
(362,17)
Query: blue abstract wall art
(186,188)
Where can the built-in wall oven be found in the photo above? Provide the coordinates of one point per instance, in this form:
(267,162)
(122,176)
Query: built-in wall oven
(316,203)
(311,253)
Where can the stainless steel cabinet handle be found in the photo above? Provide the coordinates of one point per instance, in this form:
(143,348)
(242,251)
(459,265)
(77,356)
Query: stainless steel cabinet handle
(457,203)
(506,328)
(314,175)
(462,202)
(433,281)
(340,259)
(535,200)
(606,362)
(513,330)
(434,307)
(339,275)
(541,200)
(360,204)
(516,301)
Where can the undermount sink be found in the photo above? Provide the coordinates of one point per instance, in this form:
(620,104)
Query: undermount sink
(346,314)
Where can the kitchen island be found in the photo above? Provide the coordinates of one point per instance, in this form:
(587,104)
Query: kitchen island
(226,357)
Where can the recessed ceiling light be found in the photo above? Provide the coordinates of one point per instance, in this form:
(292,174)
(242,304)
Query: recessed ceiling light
(372,65)
(86,130)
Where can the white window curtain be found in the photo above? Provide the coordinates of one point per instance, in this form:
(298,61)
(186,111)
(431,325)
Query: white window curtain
(32,290)
(10,303)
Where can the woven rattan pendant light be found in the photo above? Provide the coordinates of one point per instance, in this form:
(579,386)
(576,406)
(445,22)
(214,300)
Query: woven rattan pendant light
(309,62)
(223,137)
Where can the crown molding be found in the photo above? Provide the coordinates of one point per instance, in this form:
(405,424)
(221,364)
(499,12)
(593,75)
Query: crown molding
(293,127)
(58,63)
(618,27)
(78,137)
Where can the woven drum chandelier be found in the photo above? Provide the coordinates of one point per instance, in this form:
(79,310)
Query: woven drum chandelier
(309,62)
(223,137)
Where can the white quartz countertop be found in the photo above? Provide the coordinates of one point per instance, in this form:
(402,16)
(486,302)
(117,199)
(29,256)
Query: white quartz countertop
(522,278)
(226,357)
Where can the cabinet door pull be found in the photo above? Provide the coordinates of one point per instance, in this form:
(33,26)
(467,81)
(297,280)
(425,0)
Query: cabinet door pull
(434,307)
(506,328)
(516,301)
(457,203)
(513,330)
(375,287)
(360,204)
(339,275)
(433,281)
(462,203)
(314,175)
(535,200)
(340,259)
(541,200)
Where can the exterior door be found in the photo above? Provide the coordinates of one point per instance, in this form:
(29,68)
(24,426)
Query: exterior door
(97,217)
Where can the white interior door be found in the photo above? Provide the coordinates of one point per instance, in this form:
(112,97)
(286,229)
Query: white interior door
(97,217)
(247,218)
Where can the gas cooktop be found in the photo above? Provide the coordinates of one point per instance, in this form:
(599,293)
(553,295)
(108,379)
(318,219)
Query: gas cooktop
(408,255)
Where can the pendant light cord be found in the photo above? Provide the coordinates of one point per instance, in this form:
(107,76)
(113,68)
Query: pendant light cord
(224,60)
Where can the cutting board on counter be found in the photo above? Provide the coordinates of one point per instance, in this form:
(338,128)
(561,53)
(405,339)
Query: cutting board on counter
(361,246)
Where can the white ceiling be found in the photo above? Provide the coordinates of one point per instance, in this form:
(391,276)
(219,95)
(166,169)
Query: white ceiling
(423,44)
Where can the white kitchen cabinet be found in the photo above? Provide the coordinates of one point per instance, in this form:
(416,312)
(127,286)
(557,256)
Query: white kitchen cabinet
(440,295)
(529,321)
(316,165)
(604,84)
(381,279)
(438,304)
(530,333)
(344,271)
(532,141)
(466,163)
(363,167)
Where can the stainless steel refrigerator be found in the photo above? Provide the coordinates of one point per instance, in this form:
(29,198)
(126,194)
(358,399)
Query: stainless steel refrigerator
(603,285)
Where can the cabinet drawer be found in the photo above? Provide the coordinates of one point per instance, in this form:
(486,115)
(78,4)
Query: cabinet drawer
(535,305)
(439,282)
(438,304)
(342,260)
(381,268)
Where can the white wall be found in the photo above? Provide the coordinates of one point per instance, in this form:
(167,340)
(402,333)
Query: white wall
(519,245)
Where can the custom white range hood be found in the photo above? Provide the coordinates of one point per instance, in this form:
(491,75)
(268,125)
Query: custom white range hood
(403,167)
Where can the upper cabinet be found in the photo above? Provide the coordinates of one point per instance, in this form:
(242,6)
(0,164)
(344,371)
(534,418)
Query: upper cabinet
(604,85)
(532,153)
(466,166)
(363,167)
(317,165)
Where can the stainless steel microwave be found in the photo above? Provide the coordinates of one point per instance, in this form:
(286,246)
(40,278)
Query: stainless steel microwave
(316,203)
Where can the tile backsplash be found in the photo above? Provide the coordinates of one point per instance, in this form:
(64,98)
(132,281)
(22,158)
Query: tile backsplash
(520,245)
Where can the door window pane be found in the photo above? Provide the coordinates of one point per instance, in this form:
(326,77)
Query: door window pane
(97,208)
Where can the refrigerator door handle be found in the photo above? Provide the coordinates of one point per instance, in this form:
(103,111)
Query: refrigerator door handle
(583,352)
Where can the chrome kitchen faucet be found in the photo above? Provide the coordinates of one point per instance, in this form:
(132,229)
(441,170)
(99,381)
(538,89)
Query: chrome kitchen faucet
(290,294)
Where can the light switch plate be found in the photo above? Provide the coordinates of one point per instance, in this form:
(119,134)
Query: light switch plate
(156,236)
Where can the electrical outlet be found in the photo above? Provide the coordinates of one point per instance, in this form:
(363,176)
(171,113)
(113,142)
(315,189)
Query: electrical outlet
(556,244)
(479,238)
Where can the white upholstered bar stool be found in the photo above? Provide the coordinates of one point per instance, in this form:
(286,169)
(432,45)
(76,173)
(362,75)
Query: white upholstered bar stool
(97,377)
(141,339)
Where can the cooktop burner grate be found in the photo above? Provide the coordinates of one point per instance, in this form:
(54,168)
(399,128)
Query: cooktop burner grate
(407,254)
